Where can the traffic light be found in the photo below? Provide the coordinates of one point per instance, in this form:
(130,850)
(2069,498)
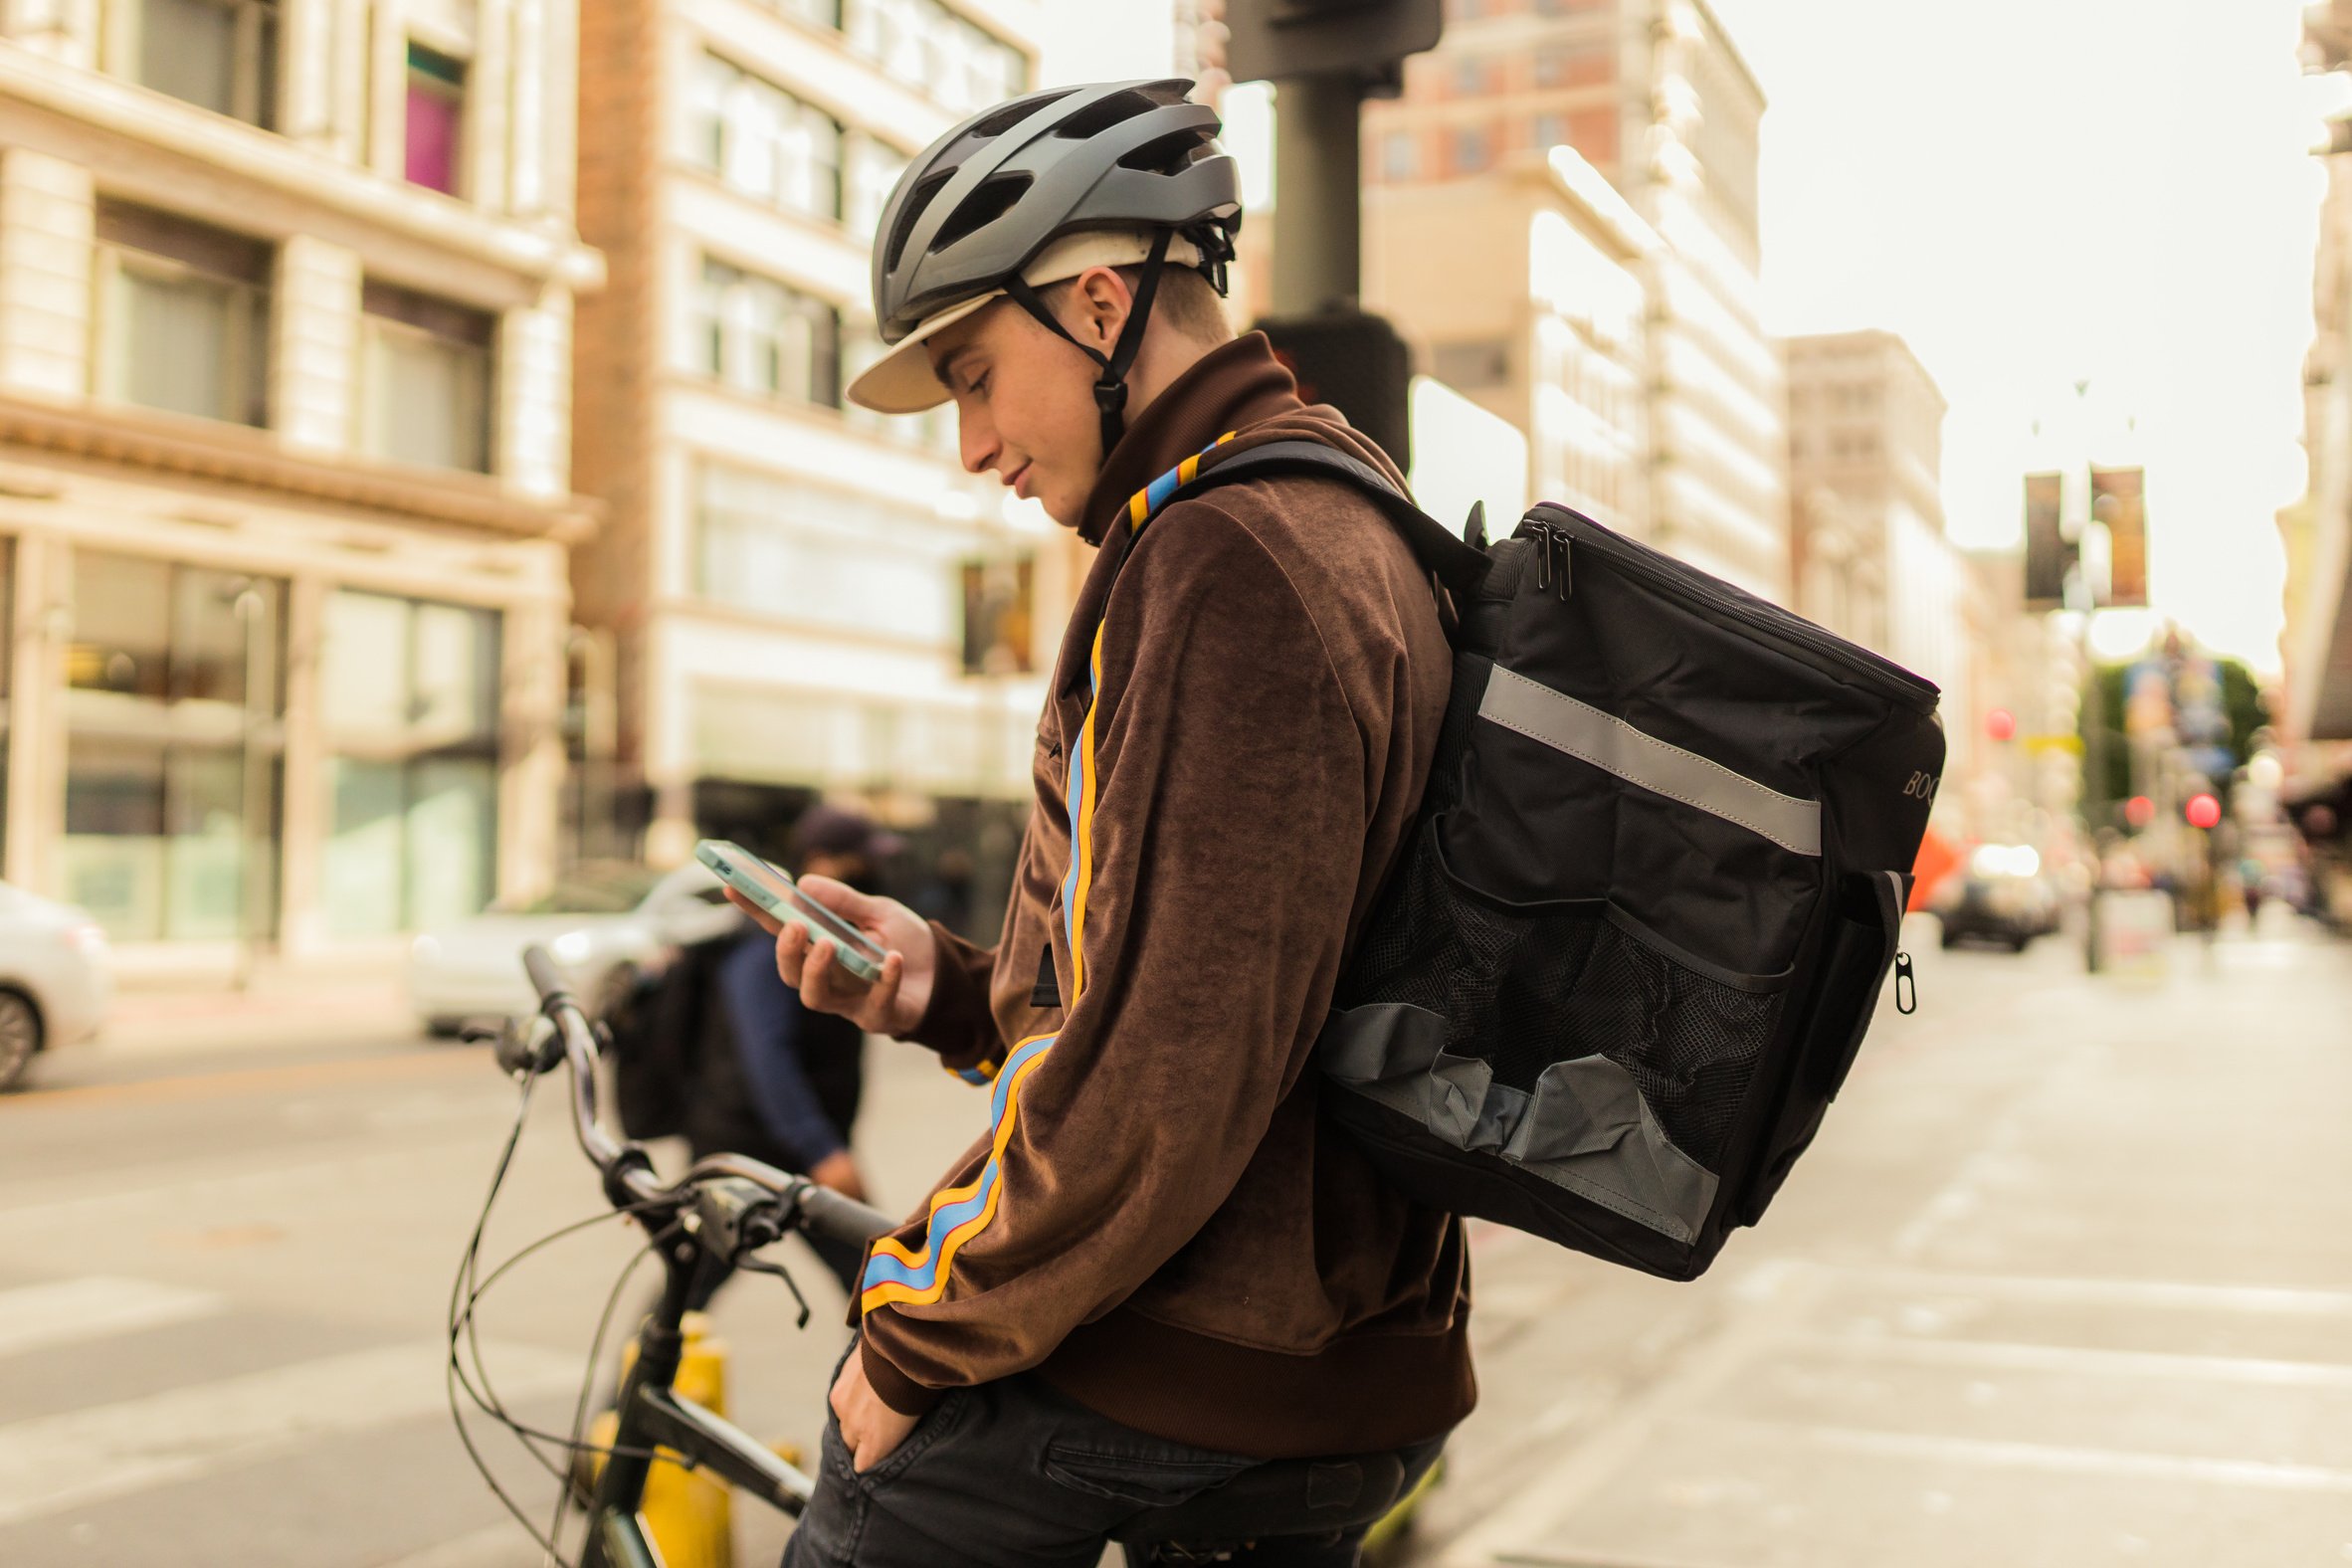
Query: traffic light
(2203,811)
(1366,38)
(2049,554)
(2140,811)
(1357,364)
(2000,724)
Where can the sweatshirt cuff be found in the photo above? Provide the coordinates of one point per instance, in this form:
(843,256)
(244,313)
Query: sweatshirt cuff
(894,1387)
(957,1022)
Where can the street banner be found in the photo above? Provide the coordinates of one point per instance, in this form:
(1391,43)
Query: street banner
(2119,499)
(2048,553)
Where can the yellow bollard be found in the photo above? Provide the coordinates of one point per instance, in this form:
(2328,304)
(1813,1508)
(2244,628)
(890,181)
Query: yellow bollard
(686,1512)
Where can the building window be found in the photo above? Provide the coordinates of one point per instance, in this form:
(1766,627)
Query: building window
(873,168)
(1550,132)
(764,141)
(817,13)
(220,55)
(760,335)
(1000,616)
(1400,155)
(1470,149)
(1470,78)
(172,714)
(184,312)
(800,551)
(436,120)
(409,689)
(924,45)
(426,395)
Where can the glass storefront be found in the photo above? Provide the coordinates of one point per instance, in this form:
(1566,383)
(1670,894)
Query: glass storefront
(409,695)
(173,741)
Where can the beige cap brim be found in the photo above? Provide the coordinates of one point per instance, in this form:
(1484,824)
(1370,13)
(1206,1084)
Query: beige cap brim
(902,382)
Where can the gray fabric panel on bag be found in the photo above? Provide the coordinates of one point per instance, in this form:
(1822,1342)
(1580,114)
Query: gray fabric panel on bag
(1586,1128)
(1609,743)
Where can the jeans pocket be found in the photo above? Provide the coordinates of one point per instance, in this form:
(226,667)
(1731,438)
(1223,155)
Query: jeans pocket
(1148,1481)
(937,1426)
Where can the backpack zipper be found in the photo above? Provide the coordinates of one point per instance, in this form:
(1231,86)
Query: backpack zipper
(1688,584)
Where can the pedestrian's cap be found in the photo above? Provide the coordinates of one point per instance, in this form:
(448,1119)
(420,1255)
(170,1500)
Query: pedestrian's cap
(901,381)
(837,829)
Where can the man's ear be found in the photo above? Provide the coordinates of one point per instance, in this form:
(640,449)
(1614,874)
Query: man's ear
(1101,298)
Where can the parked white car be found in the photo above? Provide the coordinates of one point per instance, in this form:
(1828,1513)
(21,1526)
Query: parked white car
(595,923)
(55,978)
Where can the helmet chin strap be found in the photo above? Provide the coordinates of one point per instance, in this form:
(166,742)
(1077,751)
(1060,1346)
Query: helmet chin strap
(1110,387)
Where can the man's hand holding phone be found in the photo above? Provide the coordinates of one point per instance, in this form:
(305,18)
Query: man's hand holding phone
(892,1005)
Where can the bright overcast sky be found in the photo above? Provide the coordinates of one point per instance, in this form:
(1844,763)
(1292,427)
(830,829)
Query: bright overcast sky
(2033,193)
(2036,192)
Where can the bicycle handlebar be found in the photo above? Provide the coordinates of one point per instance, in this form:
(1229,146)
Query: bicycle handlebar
(627,1172)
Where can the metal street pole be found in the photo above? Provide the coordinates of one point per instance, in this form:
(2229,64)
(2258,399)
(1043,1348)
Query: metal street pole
(1318,213)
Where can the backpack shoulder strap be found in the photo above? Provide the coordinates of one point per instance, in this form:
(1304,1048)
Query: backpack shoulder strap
(1441,553)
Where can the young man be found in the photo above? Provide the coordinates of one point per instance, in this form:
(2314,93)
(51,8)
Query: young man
(1160,1280)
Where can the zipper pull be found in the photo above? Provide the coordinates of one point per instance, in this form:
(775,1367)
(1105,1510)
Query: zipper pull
(1906,985)
(1542,538)
(1562,575)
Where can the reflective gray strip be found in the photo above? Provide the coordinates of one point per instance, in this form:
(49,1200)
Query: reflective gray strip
(1611,744)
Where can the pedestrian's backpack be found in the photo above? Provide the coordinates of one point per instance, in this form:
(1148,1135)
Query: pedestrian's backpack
(1640,926)
(655,1025)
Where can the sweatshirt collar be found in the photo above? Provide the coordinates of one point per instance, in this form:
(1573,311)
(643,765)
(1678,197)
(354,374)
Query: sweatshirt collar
(1233,386)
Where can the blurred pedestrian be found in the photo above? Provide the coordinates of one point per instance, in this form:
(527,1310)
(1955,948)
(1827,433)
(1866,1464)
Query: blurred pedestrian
(777,1079)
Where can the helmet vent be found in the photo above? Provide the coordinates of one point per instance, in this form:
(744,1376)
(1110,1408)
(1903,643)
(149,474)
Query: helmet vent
(1106,112)
(1013,114)
(991,201)
(916,201)
(1168,155)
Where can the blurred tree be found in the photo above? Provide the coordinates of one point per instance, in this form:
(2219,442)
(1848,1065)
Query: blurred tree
(2242,703)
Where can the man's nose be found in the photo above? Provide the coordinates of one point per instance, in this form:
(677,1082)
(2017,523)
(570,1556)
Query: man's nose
(977,440)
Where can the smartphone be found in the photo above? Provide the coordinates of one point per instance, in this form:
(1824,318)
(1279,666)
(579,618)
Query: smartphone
(768,887)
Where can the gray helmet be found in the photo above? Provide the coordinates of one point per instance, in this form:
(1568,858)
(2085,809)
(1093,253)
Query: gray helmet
(971,212)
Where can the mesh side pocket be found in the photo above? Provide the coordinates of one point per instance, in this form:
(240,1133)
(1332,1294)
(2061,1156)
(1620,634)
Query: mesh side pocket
(1525,989)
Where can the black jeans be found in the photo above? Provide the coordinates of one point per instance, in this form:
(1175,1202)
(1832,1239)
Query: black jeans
(1014,1474)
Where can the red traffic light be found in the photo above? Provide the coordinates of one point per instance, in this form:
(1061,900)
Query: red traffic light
(2203,811)
(2140,811)
(2000,724)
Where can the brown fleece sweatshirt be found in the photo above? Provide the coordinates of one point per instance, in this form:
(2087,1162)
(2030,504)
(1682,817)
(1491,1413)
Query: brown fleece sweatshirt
(1160,1222)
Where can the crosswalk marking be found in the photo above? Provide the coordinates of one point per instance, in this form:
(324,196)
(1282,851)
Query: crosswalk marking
(62,1461)
(68,1311)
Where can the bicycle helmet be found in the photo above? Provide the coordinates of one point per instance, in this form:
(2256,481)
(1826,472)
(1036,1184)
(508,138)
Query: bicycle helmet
(1036,190)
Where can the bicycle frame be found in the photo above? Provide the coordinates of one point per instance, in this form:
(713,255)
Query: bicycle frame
(652,1416)
(723,1208)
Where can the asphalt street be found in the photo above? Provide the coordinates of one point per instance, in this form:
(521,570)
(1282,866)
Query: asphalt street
(2068,1281)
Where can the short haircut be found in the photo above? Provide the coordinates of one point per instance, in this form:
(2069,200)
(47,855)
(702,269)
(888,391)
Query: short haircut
(1186,300)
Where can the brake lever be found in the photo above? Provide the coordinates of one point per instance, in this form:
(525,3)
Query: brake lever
(761,1265)
(523,1047)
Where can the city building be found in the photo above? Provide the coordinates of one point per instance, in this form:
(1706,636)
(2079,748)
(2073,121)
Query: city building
(1869,553)
(2317,643)
(2314,709)
(1535,308)
(788,597)
(286,305)
(1652,95)
(1866,463)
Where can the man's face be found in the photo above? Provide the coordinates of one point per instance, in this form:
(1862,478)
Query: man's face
(1025,404)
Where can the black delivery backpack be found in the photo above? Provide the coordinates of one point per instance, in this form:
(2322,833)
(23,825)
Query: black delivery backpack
(1640,927)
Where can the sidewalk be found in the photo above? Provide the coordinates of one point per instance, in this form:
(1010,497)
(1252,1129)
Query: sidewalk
(2068,1279)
